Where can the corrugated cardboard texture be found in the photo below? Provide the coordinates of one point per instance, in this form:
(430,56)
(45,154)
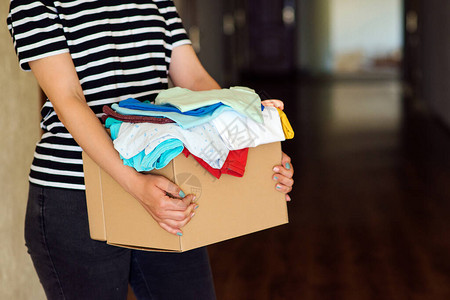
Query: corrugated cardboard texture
(228,207)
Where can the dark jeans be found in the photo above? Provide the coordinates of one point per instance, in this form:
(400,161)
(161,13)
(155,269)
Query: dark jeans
(70,265)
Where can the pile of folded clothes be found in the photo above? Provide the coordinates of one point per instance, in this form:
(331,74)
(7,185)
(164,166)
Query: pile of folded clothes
(216,127)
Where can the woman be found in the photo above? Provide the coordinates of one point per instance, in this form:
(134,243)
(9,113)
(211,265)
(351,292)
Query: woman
(86,54)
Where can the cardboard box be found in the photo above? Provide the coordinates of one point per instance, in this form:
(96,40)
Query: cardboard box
(228,207)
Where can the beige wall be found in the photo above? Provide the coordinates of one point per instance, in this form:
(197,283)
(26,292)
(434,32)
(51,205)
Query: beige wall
(373,26)
(19,124)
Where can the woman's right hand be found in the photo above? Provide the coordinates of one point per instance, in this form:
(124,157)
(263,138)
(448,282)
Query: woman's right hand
(165,202)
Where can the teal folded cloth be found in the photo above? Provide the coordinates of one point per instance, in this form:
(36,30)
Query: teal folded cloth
(158,158)
(161,155)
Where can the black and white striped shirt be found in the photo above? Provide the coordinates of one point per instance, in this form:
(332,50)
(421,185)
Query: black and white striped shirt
(120,48)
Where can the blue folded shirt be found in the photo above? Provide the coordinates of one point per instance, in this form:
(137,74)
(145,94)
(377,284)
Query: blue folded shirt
(183,120)
(146,105)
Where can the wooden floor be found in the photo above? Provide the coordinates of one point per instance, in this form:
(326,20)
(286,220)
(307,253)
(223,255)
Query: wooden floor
(370,215)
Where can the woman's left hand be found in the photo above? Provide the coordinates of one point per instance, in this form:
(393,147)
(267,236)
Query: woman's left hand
(273,103)
(283,176)
(285,171)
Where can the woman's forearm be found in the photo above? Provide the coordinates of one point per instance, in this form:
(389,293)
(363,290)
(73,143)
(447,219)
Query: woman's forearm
(57,77)
(186,70)
(92,137)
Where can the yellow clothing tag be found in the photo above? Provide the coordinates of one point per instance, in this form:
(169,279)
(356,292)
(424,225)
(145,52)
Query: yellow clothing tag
(287,128)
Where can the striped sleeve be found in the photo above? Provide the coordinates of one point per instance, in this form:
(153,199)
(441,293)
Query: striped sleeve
(36,31)
(177,35)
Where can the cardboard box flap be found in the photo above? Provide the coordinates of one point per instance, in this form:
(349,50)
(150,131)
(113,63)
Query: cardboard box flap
(94,198)
(144,248)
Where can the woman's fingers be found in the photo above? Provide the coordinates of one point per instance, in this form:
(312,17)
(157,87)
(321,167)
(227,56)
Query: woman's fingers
(169,187)
(283,180)
(173,221)
(283,188)
(170,229)
(286,168)
(286,161)
(273,103)
(167,204)
(283,176)
(282,171)
(178,215)
(170,203)
(177,224)
(174,215)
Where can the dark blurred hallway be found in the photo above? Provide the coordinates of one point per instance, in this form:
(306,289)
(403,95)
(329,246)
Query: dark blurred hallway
(369,215)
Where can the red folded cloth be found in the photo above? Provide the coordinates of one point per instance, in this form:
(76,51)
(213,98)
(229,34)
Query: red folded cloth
(234,164)
(109,112)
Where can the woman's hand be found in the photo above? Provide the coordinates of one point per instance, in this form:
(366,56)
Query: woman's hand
(285,171)
(165,202)
(283,176)
(273,103)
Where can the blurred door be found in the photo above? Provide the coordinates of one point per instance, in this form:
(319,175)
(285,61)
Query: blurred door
(427,53)
(411,52)
(271,35)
